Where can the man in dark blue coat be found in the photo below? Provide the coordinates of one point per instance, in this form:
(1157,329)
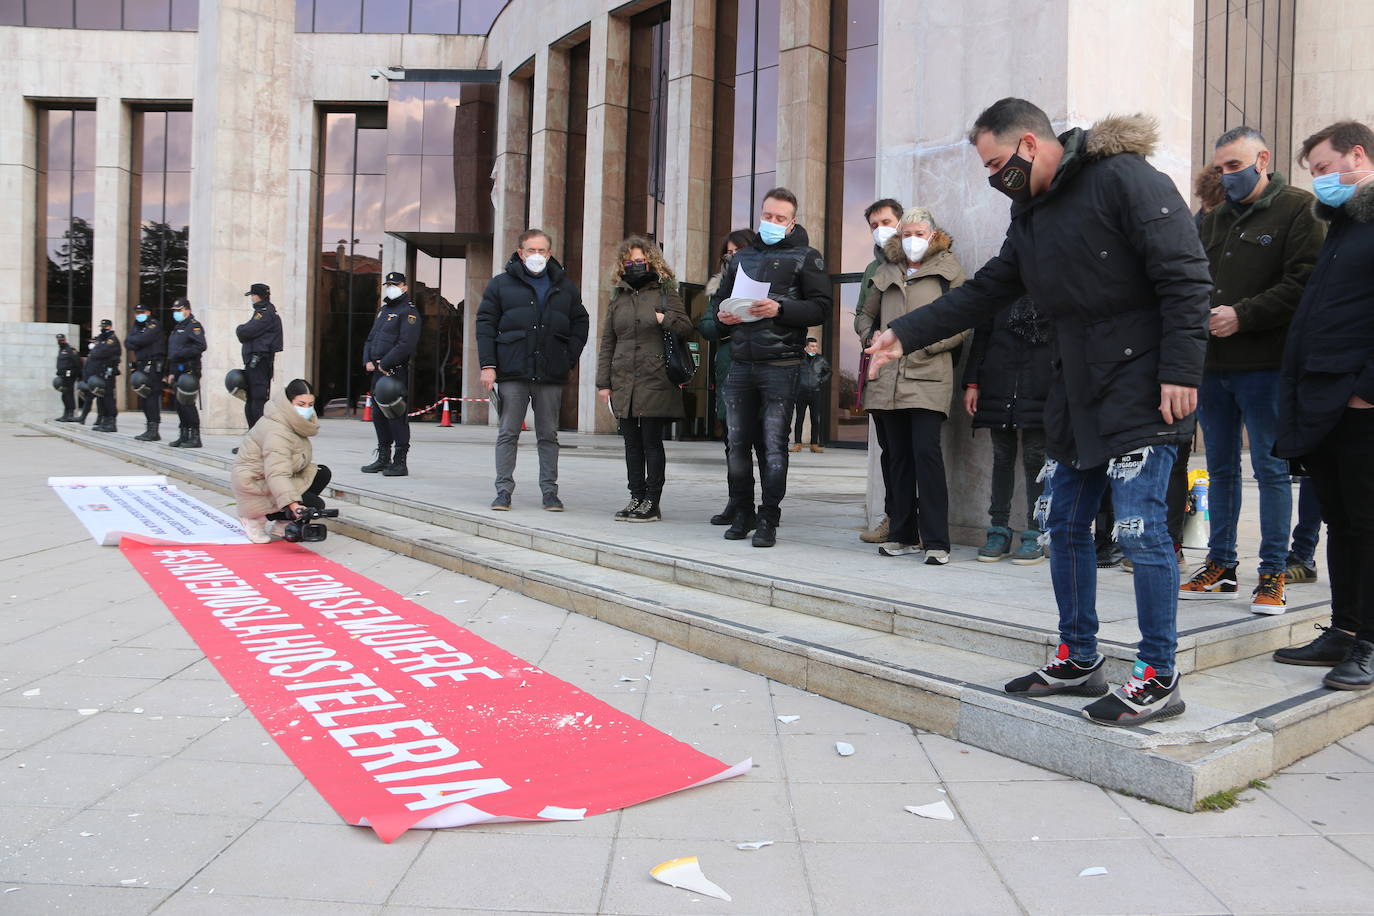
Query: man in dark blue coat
(185,345)
(387,353)
(147,345)
(261,339)
(68,371)
(1104,243)
(102,362)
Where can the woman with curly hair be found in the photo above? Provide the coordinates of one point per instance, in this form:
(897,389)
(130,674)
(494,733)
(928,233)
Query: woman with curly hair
(631,374)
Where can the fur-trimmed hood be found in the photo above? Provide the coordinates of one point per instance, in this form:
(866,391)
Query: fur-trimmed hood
(939,242)
(939,261)
(1116,134)
(1360,208)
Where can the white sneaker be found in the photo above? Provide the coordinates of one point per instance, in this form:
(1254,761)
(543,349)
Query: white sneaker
(937,557)
(279,529)
(256,529)
(897,549)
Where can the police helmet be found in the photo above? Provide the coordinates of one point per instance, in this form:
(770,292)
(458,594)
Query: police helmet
(83,386)
(236,381)
(141,383)
(95,385)
(57,383)
(187,387)
(390,396)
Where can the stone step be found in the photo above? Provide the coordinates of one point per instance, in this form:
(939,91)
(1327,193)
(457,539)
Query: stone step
(1245,719)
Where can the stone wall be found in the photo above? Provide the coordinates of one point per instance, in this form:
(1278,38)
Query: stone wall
(28,352)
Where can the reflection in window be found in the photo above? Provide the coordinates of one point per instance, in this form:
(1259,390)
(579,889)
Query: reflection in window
(575,182)
(162,201)
(437,289)
(348,281)
(65,213)
(853,132)
(646,146)
(420,193)
(851,423)
(421,17)
(130,15)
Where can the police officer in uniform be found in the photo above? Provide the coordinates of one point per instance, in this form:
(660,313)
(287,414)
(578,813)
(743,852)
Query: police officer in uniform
(387,352)
(184,347)
(261,339)
(147,345)
(102,362)
(68,371)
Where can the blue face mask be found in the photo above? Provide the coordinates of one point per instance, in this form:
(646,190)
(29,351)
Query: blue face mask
(771,233)
(305,412)
(140,318)
(1331,192)
(179,316)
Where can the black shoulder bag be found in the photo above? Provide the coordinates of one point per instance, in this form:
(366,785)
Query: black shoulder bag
(677,356)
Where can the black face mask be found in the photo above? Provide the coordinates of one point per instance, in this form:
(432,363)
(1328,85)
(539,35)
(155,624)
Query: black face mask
(638,274)
(1013,178)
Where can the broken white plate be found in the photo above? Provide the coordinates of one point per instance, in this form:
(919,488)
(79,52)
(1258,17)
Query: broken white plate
(1092,872)
(936,812)
(686,873)
(32,693)
(717,706)
(754,844)
(843,749)
(624,678)
(88,712)
(788,720)
(417,594)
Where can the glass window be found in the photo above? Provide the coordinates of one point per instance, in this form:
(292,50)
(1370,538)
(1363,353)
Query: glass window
(434,17)
(149,15)
(861,103)
(386,16)
(305,15)
(403,193)
(478,15)
(745,22)
(768,28)
(59,194)
(851,422)
(11,12)
(743,146)
(405,113)
(766,123)
(436,194)
(178,141)
(441,101)
(54,14)
(83,194)
(98,14)
(154,141)
(860,190)
(59,139)
(338,15)
(83,139)
(185,15)
(862,24)
(339,130)
(372,152)
(65,209)
(369,212)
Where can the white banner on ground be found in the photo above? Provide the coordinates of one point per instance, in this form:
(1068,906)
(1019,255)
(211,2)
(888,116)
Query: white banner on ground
(111,507)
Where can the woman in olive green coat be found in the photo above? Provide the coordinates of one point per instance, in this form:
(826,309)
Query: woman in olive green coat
(631,375)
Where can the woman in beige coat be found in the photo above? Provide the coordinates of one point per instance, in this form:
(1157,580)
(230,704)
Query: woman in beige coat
(274,475)
(910,397)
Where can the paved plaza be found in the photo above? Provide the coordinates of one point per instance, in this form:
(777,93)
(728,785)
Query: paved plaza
(170,798)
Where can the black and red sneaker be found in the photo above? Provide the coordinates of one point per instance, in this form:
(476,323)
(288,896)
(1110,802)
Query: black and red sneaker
(1063,675)
(1144,697)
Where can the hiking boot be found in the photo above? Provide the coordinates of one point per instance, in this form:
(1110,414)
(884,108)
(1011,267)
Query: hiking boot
(149,434)
(398,467)
(1268,595)
(380,463)
(647,511)
(727,515)
(766,534)
(552,503)
(501,503)
(1211,581)
(629,509)
(1028,552)
(745,521)
(192,438)
(181,438)
(998,545)
(1063,675)
(1145,696)
(937,557)
(795,447)
(898,549)
(1356,672)
(1109,555)
(816,448)
(877,534)
(1299,573)
(1330,648)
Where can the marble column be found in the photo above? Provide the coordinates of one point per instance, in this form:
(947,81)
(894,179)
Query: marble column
(110,263)
(549,142)
(18,221)
(603,224)
(691,104)
(803,110)
(1332,70)
(240,187)
(479,263)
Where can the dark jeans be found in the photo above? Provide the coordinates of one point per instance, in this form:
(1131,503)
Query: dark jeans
(1343,479)
(1004,444)
(391,431)
(1308,530)
(259,372)
(645,461)
(759,398)
(311,497)
(1072,497)
(152,404)
(916,469)
(757,443)
(811,400)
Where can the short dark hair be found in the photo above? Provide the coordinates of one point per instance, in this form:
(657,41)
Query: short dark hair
(1343,136)
(784,195)
(812,340)
(885,203)
(1011,115)
(742,238)
(1244,132)
(531,233)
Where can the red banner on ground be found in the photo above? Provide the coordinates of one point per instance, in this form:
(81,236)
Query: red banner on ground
(398,717)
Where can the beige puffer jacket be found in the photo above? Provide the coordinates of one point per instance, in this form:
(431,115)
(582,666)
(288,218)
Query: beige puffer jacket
(924,378)
(275,462)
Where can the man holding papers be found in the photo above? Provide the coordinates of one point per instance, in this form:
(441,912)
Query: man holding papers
(772,292)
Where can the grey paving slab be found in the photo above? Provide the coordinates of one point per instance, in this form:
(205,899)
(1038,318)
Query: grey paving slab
(187,786)
(140,662)
(1333,759)
(24,822)
(1256,814)
(129,733)
(735,808)
(771,880)
(886,880)
(1278,874)
(866,813)
(67,898)
(199,901)
(239,740)
(28,777)
(1332,803)
(958,762)
(1049,809)
(74,691)
(184,698)
(877,758)
(22,727)
(1359,845)
(304,805)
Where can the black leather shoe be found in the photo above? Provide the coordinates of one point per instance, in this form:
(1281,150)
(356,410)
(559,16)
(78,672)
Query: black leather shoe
(1330,648)
(725,516)
(766,535)
(741,526)
(1357,671)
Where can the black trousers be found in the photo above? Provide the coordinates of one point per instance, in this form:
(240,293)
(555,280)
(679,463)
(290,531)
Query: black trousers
(394,431)
(916,472)
(311,497)
(68,395)
(259,372)
(758,404)
(812,400)
(646,463)
(188,415)
(1343,477)
(105,406)
(152,404)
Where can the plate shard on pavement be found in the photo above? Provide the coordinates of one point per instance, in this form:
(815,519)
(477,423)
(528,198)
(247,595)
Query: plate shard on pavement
(685,873)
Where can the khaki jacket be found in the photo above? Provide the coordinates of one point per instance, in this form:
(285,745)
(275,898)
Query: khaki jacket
(630,361)
(923,379)
(275,461)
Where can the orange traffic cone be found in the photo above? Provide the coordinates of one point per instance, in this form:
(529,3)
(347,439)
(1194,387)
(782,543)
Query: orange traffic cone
(443,417)
(367,407)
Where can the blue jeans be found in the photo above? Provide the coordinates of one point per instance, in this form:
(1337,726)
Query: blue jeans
(1139,482)
(1227,400)
(1308,530)
(759,398)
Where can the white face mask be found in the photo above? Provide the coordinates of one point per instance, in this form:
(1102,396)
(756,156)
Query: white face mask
(882,234)
(915,247)
(305,412)
(535,263)
(390,292)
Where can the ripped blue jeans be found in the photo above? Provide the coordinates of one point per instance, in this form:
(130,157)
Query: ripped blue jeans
(1139,482)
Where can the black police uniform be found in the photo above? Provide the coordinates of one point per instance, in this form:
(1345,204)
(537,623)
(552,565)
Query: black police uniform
(147,345)
(390,346)
(103,362)
(261,339)
(185,345)
(68,371)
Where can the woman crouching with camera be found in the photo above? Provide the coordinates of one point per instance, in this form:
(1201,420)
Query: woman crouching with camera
(631,372)
(274,476)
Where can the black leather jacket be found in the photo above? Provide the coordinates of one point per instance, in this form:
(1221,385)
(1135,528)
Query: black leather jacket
(394,336)
(815,372)
(795,274)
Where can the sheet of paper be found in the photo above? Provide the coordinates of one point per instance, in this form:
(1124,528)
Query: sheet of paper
(743,295)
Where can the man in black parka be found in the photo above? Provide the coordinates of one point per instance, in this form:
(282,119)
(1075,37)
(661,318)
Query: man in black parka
(102,361)
(1103,242)
(147,346)
(388,351)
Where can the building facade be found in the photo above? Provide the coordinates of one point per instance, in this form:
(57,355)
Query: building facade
(151,149)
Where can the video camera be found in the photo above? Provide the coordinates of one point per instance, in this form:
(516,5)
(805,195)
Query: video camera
(303,527)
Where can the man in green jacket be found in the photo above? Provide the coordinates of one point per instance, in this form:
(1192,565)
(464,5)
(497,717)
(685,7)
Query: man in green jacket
(1261,243)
